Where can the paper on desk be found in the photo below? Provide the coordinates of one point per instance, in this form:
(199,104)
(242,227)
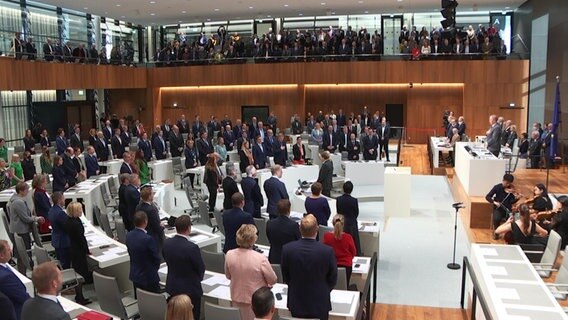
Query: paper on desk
(489,252)
(507,293)
(497,270)
(339,296)
(215,280)
(116,250)
(199,237)
(222,292)
(107,257)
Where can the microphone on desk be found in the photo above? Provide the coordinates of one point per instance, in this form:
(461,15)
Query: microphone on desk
(458,205)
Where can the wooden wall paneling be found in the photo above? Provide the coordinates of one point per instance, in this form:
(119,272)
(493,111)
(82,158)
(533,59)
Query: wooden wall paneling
(128,102)
(426,105)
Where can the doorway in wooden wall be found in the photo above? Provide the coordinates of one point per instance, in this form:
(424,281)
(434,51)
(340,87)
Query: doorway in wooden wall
(394,112)
(260,112)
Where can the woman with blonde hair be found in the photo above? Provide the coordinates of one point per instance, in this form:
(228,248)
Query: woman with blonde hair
(248,270)
(245,156)
(342,244)
(79,247)
(212,178)
(180,308)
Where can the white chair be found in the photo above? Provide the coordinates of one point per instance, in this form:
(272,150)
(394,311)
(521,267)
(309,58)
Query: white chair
(152,306)
(110,299)
(215,312)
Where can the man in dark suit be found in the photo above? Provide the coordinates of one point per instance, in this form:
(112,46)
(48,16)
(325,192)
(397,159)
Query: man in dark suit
(160,146)
(47,280)
(126,166)
(230,187)
(251,191)
(124,180)
(101,147)
(69,167)
(75,139)
(59,237)
(494,136)
(147,205)
(233,219)
(325,176)
(131,199)
(341,119)
(197,127)
(353,148)
(185,265)
(182,124)
(535,147)
(275,191)
(61,142)
(329,140)
(204,148)
(343,139)
(229,138)
(48,50)
(259,154)
(144,256)
(117,144)
(280,231)
(383,132)
(461,126)
(268,143)
(7,307)
(11,286)
(370,143)
(309,268)
(91,162)
(146,147)
(176,142)
(280,150)
(348,206)
(108,131)
(167,128)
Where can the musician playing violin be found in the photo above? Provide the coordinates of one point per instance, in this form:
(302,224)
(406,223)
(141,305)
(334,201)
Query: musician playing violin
(540,200)
(502,196)
(559,222)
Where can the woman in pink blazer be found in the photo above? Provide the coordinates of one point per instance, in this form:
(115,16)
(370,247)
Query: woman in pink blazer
(248,270)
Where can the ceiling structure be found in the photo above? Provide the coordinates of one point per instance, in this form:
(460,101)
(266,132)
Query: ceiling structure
(161,12)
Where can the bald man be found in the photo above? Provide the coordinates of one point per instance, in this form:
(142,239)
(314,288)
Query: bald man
(309,269)
(494,136)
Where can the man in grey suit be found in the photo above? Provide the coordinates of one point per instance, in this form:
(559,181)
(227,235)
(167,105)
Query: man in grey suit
(494,136)
(47,280)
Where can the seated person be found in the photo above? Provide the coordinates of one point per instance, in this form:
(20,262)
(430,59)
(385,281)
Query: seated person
(525,230)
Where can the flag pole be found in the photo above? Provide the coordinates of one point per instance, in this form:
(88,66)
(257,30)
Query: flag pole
(557,122)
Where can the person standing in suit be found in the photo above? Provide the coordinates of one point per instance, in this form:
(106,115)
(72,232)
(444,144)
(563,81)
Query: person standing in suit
(275,191)
(132,199)
(91,162)
(185,265)
(79,248)
(145,145)
(160,146)
(21,218)
(204,148)
(127,165)
(58,173)
(280,150)
(343,139)
(309,268)
(256,272)
(59,238)
(101,147)
(18,46)
(370,143)
(47,280)
(297,127)
(281,231)
(176,142)
(12,286)
(259,154)
(61,142)
(325,176)
(233,219)
(348,206)
(93,137)
(318,205)
(268,143)
(42,203)
(534,150)
(212,178)
(384,136)
(230,187)
(183,125)
(299,152)
(75,139)
(251,191)
(197,127)
(117,145)
(44,139)
(124,180)
(229,138)
(148,206)
(108,131)
(494,136)
(191,159)
(29,142)
(329,140)
(353,148)
(461,126)
(48,51)
(144,257)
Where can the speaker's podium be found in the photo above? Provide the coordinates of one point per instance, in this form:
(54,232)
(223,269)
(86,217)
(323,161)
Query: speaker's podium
(397,191)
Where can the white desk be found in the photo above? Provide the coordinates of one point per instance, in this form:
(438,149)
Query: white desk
(439,145)
(511,286)
(215,285)
(365,173)
(162,170)
(203,239)
(113,166)
(164,195)
(234,154)
(478,174)
(312,151)
(89,191)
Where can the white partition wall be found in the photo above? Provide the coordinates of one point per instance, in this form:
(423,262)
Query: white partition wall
(397,195)
(478,174)
(365,173)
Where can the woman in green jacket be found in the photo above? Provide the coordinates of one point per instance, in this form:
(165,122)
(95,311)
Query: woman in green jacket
(46,161)
(143,171)
(16,166)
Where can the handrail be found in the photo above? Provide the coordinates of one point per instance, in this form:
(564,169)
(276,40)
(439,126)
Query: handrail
(365,301)
(476,293)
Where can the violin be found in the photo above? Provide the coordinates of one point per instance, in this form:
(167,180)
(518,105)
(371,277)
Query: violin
(547,215)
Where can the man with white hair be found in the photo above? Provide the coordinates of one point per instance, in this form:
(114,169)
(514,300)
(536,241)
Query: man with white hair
(494,136)
(251,191)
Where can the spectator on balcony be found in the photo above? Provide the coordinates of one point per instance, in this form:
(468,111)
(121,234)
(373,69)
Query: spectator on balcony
(48,51)
(67,52)
(458,47)
(17,46)
(93,54)
(435,47)
(31,49)
(425,47)
(446,47)
(486,47)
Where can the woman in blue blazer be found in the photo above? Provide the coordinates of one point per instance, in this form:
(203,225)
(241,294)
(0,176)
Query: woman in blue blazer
(59,178)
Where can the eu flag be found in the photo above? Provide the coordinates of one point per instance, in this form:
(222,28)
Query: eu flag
(556,120)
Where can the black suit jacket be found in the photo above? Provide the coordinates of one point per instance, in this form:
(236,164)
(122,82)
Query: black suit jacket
(280,152)
(101,148)
(144,258)
(7,307)
(349,208)
(117,147)
(76,142)
(325,177)
(296,152)
(309,268)
(70,170)
(125,168)
(353,150)
(29,144)
(185,267)
(146,147)
(329,141)
(159,148)
(38,307)
(230,187)
(280,231)
(253,197)
(14,289)
(59,178)
(154,228)
(92,165)
(204,149)
(386,137)
(176,143)
(259,156)
(132,198)
(122,207)
(275,191)
(233,219)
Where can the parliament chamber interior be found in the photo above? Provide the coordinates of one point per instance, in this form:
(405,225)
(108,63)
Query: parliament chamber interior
(240,160)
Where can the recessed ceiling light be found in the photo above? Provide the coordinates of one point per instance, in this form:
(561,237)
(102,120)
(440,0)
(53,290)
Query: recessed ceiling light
(118,4)
(152,2)
(323,3)
(366,11)
(216,9)
(122,16)
(399,0)
(85,8)
(300,14)
(152,14)
(251,7)
(184,11)
(179,21)
(269,16)
(286,5)
(360,1)
(333,12)
(507,7)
